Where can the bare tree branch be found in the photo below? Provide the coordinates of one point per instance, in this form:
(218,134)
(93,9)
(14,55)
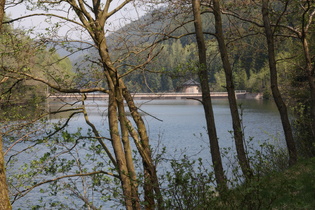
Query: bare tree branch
(43,14)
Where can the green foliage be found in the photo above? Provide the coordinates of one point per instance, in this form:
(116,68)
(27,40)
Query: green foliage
(220,83)
(295,86)
(189,185)
(302,129)
(62,155)
(24,61)
(292,188)
(240,79)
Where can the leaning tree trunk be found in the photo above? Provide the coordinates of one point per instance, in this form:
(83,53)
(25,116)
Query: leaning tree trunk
(206,99)
(237,128)
(274,86)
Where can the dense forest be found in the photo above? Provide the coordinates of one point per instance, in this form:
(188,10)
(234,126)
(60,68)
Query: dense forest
(262,46)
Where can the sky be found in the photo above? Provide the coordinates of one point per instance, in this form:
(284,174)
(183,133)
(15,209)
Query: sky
(39,24)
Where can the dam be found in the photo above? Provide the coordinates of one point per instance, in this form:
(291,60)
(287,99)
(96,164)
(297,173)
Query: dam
(240,94)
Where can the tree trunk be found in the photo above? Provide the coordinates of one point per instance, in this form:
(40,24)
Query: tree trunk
(2,4)
(237,127)
(112,80)
(4,191)
(310,77)
(151,184)
(118,150)
(127,149)
(206,99)
(274,86)
(5,203)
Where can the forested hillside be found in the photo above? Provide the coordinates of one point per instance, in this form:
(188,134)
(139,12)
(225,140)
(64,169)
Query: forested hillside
(177,53)
(176,61)
(22,54)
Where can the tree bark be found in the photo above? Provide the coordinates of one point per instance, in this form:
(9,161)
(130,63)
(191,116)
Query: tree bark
(237,128)
(5,203)
(131,199)
(127,149)
(274,85)
(310,68)
(206,99)
(2,4)
(118,150)
(151,179)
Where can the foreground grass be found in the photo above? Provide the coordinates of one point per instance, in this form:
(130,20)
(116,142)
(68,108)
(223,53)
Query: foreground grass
(292,189)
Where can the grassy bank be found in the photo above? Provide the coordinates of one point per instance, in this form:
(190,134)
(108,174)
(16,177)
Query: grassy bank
(292,189)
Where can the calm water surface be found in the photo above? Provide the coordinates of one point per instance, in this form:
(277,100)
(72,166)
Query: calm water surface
(183,124)
(179,125)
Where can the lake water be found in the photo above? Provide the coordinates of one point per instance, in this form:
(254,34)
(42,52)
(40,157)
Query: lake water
(183,123)
(179,126)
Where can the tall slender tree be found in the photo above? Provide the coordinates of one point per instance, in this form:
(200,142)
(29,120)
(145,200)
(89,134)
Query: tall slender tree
(269,33)
(206,99)
(237,128)
(274,84)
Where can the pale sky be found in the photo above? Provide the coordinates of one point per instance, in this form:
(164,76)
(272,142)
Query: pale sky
(38,23)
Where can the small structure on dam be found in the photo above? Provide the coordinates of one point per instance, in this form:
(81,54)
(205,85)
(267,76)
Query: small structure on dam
(191,86)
